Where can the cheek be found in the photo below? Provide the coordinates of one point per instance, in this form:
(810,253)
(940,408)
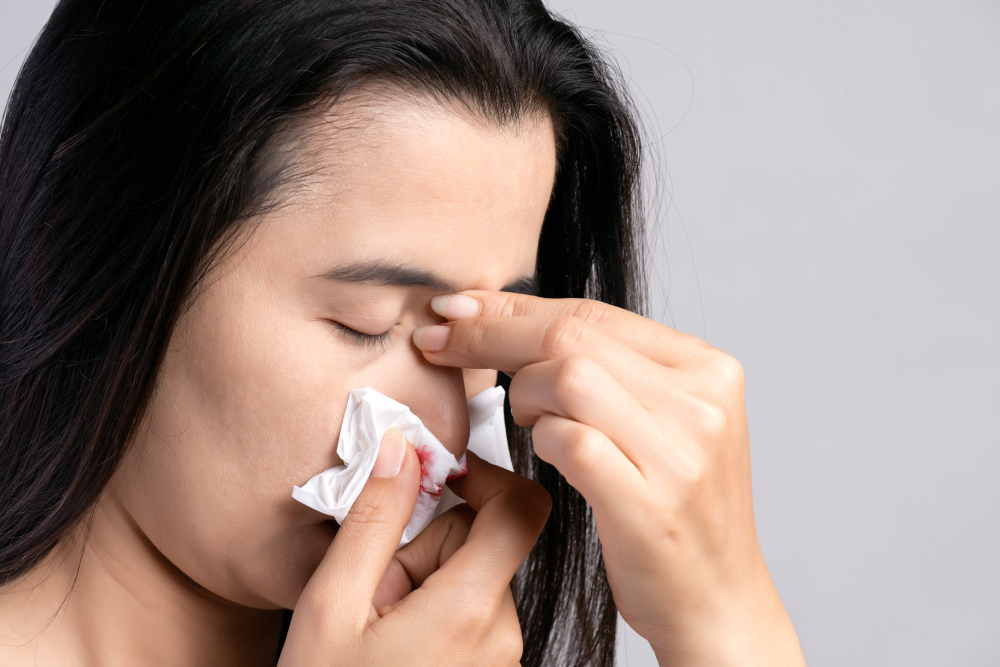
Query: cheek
(251,388)
(249,404)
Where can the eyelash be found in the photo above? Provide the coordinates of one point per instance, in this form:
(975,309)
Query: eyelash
(367,341)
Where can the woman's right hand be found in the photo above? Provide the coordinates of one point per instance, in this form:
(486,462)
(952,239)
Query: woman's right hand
(358,607)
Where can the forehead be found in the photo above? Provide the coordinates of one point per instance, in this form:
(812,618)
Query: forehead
(397,179)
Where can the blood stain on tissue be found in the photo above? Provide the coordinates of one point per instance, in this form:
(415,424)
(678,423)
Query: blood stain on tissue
(426,457)
(461,473)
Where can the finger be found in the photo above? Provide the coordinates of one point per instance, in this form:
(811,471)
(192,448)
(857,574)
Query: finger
(437,543)
(580,389)
(511,343)
(428,551)
(653,340)
(511,512)
(344,584)
(394,586)
(590,462)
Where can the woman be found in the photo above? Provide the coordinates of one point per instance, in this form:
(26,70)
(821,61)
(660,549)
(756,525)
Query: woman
(217,219)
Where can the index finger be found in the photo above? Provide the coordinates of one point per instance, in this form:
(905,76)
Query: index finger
(653,340)
(511,512)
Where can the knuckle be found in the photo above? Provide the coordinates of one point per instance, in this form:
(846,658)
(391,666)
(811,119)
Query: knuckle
(511,304)
(512,643)
(368,516)
(475,336)
(722,370)
(536,500)
(590,311)
(564,336)
(574,378)
(583,451)
(729,370)
(474,617)
(711,419)
(694,470)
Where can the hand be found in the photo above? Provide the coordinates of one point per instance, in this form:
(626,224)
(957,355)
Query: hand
(649,425)
(358,608)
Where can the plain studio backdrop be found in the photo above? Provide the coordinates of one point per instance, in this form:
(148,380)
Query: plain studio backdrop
(828,211)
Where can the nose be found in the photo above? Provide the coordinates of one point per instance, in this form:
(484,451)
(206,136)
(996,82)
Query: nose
(435,394)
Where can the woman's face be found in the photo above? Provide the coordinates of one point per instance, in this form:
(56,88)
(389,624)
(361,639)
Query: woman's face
(404,199)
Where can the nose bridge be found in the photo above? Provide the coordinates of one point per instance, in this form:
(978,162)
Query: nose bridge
(435,394)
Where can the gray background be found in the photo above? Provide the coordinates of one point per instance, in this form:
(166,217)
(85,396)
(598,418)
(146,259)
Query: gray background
(828,213)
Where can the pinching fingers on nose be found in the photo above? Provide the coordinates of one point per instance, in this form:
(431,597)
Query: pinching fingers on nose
(653,340)
(509,344)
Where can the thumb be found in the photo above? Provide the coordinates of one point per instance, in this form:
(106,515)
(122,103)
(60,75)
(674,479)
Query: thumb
(346,580)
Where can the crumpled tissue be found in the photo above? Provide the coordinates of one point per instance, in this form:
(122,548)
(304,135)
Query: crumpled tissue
(368,416)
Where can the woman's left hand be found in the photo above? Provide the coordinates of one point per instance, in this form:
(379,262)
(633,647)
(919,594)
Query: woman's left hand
(649,425)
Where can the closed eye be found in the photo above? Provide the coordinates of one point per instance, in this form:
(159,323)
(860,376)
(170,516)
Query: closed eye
(368,341)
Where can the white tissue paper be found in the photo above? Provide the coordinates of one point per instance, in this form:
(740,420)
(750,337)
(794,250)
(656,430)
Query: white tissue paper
(368,416)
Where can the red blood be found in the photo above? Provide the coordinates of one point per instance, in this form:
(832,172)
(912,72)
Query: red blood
(461,473)
(426,457)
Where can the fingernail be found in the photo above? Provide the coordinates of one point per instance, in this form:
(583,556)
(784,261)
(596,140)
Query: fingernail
(456,306)
(390,454)
(431,339)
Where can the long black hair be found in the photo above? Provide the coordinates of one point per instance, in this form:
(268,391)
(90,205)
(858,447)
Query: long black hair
(136,141)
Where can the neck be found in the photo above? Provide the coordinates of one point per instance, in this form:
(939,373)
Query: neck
(106,596)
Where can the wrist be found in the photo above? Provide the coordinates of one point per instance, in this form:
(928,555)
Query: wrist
(745,630)
(775,645)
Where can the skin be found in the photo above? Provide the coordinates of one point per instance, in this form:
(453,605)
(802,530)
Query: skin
(649,424)
(196,544)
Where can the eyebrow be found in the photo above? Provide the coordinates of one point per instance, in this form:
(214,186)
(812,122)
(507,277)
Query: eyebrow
(382,272)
